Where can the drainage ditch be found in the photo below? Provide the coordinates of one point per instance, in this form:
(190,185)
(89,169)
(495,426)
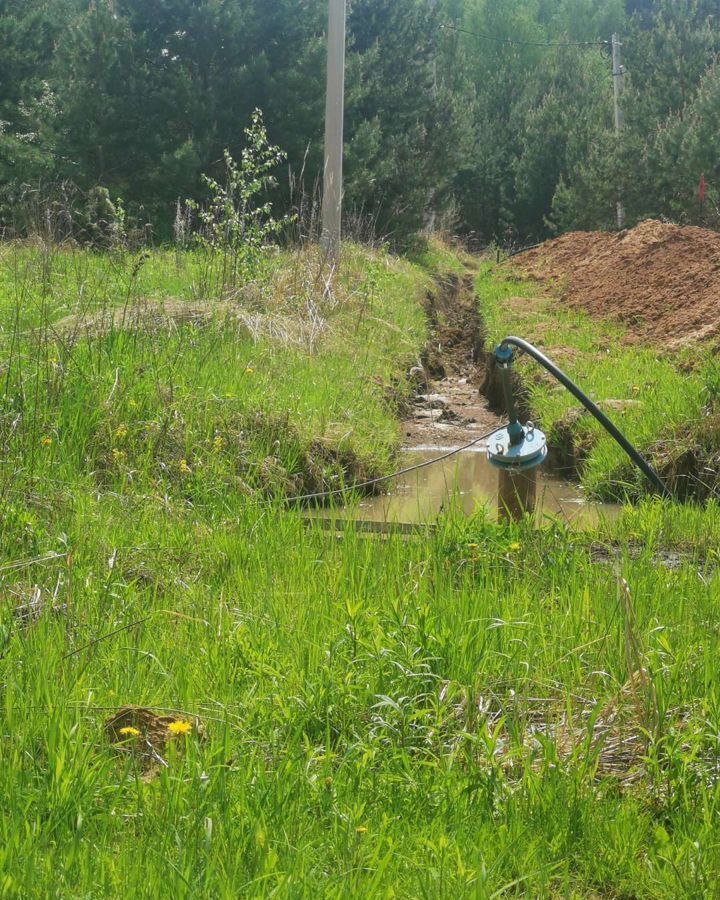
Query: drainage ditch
(458,397)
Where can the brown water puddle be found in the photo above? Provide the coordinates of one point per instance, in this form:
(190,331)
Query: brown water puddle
(468,481)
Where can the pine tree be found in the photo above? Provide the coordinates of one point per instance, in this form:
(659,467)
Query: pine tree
(404,126)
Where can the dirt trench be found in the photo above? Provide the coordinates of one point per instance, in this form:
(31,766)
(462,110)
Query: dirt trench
(449,407)
(458,390)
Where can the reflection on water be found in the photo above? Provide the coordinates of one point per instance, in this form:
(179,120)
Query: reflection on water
(469,481)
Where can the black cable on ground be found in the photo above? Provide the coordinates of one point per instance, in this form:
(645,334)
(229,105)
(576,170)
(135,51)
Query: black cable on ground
(519,250)
(323,495)
(594,410)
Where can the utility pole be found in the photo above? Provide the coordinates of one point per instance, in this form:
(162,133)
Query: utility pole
(334,112)
(618,79)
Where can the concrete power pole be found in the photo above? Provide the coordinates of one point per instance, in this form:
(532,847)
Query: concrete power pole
(618,78)
(334,112)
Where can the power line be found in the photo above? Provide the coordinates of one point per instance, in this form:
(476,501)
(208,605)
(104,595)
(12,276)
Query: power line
(488,37)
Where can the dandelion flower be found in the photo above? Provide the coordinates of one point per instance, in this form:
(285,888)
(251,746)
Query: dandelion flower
(179,727)
(46,442)
(129,731)
(514,547)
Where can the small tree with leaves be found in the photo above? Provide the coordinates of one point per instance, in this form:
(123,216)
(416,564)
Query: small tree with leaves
(237,223)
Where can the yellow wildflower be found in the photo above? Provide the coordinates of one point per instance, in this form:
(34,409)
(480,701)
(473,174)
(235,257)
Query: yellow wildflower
(249,370)
(121,432)
(184,467)
(46,442)
(514,547)
(129,731)
(472,546)
(361,829)
(179,727)
(217,443)
(118,455)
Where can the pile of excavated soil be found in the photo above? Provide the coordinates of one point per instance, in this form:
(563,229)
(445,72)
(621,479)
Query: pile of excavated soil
(661,281)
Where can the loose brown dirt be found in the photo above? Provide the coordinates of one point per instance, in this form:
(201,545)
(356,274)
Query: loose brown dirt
(661,281)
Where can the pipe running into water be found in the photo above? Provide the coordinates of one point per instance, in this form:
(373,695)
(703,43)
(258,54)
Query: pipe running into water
(503,354)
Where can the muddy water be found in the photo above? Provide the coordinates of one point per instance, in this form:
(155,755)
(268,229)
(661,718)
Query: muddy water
(468,480)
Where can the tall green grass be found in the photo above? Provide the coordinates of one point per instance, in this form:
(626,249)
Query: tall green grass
(203,408)
(355,695)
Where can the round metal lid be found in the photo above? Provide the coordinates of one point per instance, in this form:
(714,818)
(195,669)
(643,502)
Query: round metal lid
(529,452)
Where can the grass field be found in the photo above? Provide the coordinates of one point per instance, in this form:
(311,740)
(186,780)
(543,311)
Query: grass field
(480,711)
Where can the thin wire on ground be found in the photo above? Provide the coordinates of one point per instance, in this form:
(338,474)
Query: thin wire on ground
(321,495)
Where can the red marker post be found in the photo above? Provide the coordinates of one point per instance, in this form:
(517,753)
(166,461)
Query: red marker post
(701,192)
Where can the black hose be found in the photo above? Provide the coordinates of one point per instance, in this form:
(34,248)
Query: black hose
(594,410)
(517,251)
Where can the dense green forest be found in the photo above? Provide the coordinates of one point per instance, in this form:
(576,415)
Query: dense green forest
(490,119)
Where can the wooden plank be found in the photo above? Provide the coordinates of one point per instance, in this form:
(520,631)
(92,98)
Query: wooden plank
(363,526)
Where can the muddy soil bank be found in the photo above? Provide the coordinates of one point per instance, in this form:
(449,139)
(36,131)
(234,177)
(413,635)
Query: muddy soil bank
(458,389)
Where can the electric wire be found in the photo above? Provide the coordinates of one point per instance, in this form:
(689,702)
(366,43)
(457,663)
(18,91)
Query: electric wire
(322,495)
(521,43)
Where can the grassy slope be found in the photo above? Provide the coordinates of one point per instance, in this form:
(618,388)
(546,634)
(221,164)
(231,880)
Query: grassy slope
(666,402)
(340,681)
(200,410)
